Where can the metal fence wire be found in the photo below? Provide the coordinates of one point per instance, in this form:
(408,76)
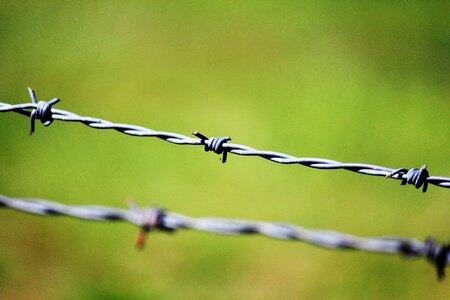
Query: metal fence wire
(153,218)
(43,111)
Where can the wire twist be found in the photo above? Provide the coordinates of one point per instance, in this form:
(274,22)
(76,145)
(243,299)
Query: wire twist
(417,177)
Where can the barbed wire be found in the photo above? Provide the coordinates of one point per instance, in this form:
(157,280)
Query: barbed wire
(43,111)
(154,218)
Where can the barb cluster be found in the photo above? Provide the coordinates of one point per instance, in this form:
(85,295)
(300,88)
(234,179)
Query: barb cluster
(153,218)
(47,114)
(43,111)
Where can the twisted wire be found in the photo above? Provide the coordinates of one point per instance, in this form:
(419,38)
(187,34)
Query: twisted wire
(154,218)
(44,111)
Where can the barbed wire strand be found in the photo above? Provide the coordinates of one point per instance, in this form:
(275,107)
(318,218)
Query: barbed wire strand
(154,218)
(43,111)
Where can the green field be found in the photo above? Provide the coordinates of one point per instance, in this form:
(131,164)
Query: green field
(354,82)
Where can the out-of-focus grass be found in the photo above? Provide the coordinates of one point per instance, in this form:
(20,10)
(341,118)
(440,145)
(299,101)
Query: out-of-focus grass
(363,82)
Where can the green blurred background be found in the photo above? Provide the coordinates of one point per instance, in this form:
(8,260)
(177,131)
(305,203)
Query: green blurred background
(355,82)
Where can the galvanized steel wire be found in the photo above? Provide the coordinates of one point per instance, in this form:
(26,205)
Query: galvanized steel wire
(154,218)
(43,111)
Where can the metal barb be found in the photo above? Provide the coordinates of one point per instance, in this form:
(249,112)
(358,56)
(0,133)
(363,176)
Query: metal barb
(215,144)
(43,111)
(437,255)
(414,176)
(151,218)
